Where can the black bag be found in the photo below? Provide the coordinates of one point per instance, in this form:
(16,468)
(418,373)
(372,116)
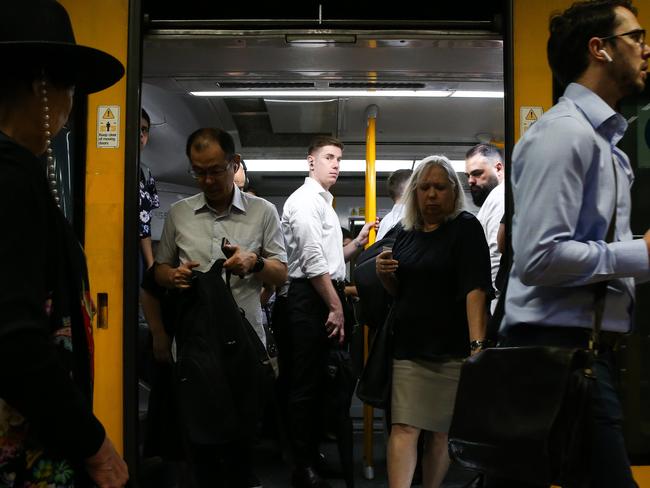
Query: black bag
(374,300)
(374,387)
(523,413)
(222,371)
(520,414)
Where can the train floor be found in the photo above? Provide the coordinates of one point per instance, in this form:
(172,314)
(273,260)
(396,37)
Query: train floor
(274,472)
(270,463)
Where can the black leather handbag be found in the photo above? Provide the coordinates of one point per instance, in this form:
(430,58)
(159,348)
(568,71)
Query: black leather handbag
(522,413)
(375,383)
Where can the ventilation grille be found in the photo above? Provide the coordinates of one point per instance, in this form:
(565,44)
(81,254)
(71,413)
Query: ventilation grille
(369,85)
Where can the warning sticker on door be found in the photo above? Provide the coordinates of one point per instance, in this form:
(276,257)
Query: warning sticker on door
(528,116)
(108,126)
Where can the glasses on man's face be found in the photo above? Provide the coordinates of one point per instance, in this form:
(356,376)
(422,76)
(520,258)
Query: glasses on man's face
(637,35)
(212,172)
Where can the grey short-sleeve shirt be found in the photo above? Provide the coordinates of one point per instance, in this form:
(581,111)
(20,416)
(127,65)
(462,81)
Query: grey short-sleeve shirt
(193,231)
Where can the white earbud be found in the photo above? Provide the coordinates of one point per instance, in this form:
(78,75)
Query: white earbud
(606,54)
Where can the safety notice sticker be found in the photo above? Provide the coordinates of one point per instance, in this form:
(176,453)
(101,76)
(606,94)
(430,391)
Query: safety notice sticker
(528,116)
(108,126)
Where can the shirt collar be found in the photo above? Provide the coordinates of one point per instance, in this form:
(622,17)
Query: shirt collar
(601,116)
(316,187)
(238,202)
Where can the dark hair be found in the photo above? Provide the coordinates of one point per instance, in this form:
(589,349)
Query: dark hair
(346,233)
(200,138)
(322,141)
(570,31)
(146,117)
(487,151)
(17,81)
(397,182)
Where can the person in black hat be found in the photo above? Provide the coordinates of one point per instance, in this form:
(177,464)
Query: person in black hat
(48,433)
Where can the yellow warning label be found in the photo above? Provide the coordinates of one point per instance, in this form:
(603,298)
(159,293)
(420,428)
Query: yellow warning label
(108,126)
(531,115)
(108,114)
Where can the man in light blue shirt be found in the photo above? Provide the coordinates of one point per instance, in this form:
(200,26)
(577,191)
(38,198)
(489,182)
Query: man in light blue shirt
(565,193)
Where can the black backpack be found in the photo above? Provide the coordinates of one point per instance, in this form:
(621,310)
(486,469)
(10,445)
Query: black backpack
(374,300)
(223,374)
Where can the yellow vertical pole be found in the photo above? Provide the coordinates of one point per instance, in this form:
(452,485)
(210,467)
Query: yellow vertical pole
(371,216)
(104,25)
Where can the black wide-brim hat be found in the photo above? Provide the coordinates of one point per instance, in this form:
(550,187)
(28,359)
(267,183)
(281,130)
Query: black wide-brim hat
(39,33)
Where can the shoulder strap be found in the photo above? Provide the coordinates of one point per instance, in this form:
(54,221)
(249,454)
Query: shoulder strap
(600,289)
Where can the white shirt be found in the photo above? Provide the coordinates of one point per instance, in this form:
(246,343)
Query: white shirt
(490,216)
(312,233)
(390,220)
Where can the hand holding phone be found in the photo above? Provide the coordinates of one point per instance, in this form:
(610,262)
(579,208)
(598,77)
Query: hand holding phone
(226,251)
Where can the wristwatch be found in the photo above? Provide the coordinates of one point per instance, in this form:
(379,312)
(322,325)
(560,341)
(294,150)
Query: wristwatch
(478,344)
(259,265)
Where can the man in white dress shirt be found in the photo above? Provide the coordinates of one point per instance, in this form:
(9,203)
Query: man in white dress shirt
(396,184)
(484,168)
(315,301)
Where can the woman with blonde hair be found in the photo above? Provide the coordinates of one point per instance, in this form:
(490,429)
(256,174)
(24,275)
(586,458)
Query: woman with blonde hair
(439,275)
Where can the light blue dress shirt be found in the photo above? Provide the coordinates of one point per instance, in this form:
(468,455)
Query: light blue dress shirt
(563,187)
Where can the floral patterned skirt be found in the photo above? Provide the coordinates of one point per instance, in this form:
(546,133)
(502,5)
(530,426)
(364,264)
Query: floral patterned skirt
(24,464)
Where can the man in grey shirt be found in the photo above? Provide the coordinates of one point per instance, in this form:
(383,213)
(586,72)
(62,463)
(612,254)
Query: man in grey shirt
(192,238)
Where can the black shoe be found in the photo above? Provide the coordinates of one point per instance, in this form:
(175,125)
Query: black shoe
(307,478)
(253,481)
(325,469)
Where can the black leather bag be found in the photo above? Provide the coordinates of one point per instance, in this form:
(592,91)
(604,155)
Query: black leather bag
(374,387)
(521,413)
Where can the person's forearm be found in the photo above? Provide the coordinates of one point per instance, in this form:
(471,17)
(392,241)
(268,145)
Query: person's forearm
(353,248)
(163,275)
(31,371)
(274,272)
(325,289)
(476,314)
(152,312)
(147,251)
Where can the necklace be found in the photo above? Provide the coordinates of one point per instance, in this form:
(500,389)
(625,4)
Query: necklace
(51,162)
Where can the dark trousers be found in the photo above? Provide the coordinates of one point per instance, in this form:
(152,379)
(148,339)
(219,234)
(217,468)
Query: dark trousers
(306,348)
(610,466)
(220,466)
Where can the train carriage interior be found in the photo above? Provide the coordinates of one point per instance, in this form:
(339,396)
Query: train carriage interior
(435,80)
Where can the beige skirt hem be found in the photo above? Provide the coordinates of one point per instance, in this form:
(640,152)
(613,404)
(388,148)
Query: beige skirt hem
(424,393)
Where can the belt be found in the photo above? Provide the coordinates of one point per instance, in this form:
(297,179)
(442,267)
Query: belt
(569,336)
(338,284)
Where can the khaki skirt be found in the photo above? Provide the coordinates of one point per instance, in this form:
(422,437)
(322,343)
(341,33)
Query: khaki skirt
(424,392)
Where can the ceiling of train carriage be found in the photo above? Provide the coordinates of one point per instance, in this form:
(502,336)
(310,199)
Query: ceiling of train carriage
(200,51)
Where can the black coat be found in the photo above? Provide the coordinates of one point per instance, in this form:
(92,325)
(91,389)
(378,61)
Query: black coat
(222,378)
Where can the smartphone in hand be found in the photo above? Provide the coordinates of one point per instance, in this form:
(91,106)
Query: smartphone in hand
(226,252)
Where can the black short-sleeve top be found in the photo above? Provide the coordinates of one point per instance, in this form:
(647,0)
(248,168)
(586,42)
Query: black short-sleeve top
(436,271)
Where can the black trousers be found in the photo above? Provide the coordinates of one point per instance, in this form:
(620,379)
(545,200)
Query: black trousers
(305,347)
(220,466)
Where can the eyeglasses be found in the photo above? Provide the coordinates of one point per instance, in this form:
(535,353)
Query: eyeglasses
(213,172)
(637,35)
(144,129)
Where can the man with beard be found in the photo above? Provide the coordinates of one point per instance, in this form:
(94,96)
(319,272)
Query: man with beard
(484,168)
(571,226)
